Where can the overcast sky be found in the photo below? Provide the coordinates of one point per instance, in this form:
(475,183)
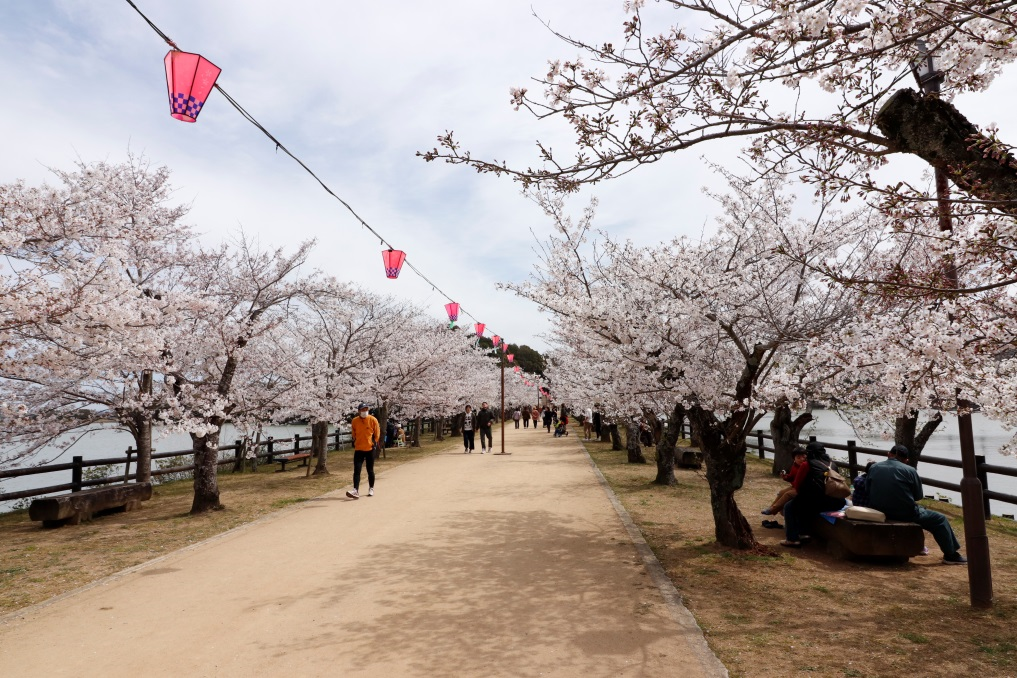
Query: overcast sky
(353,89)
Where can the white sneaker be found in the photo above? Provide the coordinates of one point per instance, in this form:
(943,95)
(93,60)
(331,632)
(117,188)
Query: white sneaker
(370,492)
(353,494)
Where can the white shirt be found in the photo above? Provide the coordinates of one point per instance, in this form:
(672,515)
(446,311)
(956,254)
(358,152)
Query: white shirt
(589,414)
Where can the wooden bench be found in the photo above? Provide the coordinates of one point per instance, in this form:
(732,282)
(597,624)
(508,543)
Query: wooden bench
(303,456)
(71,509)
(860,539)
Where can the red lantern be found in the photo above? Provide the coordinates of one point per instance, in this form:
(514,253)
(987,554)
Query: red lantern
(189,79)
(393,262)
(504,346)
(496,339)
(452,308)
(479,329)
(510,356)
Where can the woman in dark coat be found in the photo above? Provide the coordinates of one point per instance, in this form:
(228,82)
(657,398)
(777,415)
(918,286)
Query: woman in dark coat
(812,499)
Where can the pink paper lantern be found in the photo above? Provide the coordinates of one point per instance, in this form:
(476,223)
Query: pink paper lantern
(479,329)
(189,80)
(393,262)
(516,368)
(496,339)
(504,346)
(510,356)
(452,308)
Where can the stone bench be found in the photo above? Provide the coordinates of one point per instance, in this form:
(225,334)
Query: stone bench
(71,509)
(861,539)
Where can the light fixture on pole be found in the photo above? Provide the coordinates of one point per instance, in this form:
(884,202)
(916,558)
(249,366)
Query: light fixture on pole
(973,503)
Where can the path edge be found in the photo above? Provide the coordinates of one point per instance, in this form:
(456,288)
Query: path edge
(672,599)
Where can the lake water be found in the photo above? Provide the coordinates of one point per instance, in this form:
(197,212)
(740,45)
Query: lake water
(109,444)
(945,442)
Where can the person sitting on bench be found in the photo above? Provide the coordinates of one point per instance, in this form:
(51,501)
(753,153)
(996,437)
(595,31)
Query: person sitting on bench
(894,489)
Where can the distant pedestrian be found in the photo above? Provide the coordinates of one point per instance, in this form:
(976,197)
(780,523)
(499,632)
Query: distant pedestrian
(588,423)
(366,433)
(597,422)
(516,416)
(548,415)
(536,418)
(526,416)
(469,430)
(484,420)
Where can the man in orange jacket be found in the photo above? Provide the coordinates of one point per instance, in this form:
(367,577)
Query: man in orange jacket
(366,432)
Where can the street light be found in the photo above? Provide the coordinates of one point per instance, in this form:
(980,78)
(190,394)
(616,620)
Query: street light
(930,79)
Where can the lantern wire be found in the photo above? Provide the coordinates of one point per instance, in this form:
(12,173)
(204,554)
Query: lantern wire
(279,146)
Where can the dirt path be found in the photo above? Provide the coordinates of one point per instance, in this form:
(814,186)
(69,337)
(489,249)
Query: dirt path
(462,565)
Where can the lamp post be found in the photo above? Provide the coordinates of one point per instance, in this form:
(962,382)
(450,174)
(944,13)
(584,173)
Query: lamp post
(501,359)
(975,538)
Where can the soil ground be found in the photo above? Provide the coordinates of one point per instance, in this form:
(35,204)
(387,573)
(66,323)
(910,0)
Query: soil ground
(802,612)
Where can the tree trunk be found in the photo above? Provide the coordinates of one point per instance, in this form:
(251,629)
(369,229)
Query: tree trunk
(457,425)
(785,432)
(439,433)
(725,473)
(937,132)
(905,434)
(666,448)
(616,441)
(206,482)
(605,432)
(143,439)
(319,447)
(417,424)
(632,444)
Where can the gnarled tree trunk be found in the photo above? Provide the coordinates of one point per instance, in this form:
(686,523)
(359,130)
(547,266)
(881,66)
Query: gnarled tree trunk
(616,441)
(439,426)
(786,430)
(632,444)
(417,424)
(666,447)
(319,447)
(141,423)
(906,433)
(725,473)
(206,483)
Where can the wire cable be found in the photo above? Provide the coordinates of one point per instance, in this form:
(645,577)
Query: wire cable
(279,146)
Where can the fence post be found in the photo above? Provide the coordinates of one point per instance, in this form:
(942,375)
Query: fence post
(238,456)
(271,440)
(852,458)
(127,466)
(76,474)
(984,478)
(812,439)
(296,443)
(759,441)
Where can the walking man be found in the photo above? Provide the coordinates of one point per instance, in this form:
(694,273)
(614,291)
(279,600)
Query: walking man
(366,433)
(526,416)
(469,430)
(548,415)
(588,423)
(894,487)
(484,419)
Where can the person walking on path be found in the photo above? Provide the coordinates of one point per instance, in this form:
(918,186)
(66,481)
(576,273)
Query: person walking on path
(366,432)
(894,489)
(588,423)
(469,430)
(596,423)
(484,420)
(516,416)
(526,416)
(535,415)
(548,415)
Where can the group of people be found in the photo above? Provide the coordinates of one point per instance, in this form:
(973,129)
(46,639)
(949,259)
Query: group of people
(478,421)
(892,487)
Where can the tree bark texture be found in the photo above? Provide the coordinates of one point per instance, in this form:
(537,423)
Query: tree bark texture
(457,424)
(786,429)
(632,444)
(142,425)
(417,424)
(906,433)
(938,133)
(615,437)
(319,447)
(206,482)
(725,473)
(666,447)
(439,433)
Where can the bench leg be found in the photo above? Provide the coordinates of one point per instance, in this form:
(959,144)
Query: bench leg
(283,469)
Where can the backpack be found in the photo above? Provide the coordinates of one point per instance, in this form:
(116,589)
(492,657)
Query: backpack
(835,485)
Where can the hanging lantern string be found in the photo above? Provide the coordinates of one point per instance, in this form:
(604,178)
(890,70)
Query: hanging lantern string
(279,146)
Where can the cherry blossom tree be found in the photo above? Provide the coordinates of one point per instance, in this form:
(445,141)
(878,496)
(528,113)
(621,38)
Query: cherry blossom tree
(216,353)
(88,294)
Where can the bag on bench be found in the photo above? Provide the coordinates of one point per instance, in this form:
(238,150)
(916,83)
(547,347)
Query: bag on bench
(864,513)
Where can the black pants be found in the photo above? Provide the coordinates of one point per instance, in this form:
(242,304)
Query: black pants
(468,440)
(485,432)
(526,423)
(358,461)
(517,423)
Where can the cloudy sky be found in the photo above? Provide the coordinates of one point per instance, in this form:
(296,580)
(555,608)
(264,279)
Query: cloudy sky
(354,90)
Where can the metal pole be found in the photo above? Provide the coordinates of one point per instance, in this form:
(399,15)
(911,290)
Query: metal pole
(502,405)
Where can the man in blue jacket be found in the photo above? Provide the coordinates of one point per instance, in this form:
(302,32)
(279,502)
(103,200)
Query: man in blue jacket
(894,489)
